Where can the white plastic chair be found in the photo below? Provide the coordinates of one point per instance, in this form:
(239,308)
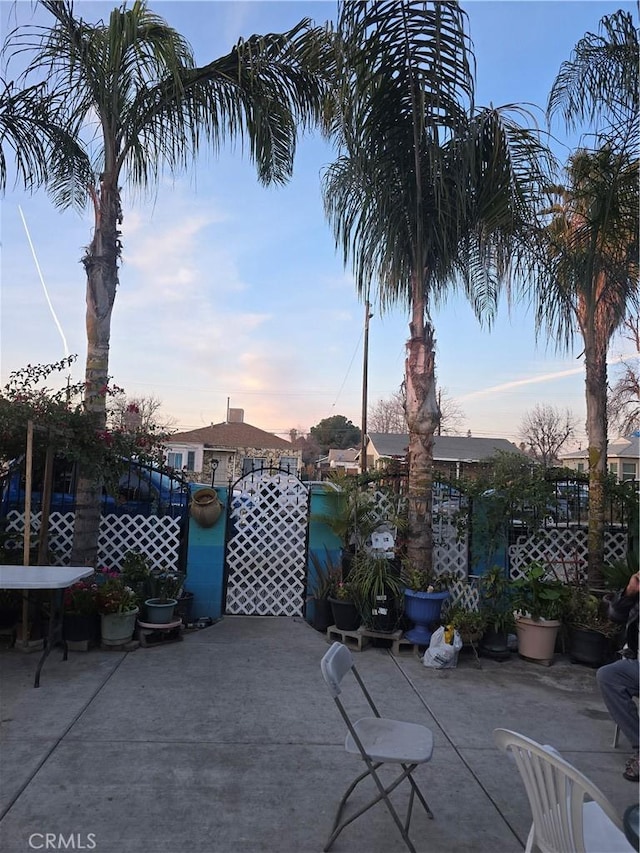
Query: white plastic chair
(570,814)
(377,741)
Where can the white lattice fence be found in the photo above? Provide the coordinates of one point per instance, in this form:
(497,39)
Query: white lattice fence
(266,558)
(564,549)
(158,537)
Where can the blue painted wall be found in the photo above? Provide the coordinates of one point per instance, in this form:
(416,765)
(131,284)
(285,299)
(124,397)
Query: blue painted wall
(205,563)
(326,546)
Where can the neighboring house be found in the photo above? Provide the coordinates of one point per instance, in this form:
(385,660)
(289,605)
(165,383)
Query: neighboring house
(228,450)
(453,455)
(340,460)
(623,458)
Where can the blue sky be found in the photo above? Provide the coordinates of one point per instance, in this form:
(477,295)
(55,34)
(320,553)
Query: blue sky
(232,291)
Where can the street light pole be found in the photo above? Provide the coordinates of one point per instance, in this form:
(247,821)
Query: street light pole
(365,370)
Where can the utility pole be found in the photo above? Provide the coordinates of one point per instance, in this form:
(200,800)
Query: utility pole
(365,367)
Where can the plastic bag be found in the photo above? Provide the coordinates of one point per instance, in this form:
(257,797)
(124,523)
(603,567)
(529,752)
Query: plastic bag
(440,654)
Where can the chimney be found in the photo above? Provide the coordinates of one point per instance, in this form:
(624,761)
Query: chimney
(235,416)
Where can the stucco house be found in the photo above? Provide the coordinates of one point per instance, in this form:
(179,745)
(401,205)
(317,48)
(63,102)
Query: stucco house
(453,455)
(623,458)
(339,460)
(227,450)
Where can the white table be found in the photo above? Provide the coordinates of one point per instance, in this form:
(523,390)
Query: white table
(53,578)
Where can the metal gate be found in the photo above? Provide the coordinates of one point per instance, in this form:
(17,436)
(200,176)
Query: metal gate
(266,552)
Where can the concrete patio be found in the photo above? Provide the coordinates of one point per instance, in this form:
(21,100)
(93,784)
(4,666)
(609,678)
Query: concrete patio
(228,742)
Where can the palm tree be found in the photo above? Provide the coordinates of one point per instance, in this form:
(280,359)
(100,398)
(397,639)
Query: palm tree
(591,280)
(428,195)
(133,82)
(591,284)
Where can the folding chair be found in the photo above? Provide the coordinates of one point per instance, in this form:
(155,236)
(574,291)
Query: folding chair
(570,814)
(377,741)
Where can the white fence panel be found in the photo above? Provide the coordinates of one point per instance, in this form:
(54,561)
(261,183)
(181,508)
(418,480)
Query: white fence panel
(158,537)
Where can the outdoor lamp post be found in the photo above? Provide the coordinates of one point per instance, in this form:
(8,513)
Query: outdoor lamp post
(214,468)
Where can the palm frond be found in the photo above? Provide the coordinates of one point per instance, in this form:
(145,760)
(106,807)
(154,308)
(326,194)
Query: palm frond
(600,81)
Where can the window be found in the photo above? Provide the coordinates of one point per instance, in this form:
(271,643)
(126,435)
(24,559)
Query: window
(580,466)
(255,463)
(191,460)
(613,468)
(289,463)
(174,460)
(628,470)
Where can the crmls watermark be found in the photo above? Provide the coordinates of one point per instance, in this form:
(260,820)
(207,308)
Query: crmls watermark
(59,841)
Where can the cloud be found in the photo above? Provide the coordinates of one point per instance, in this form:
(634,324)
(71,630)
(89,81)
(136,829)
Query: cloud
(494,390)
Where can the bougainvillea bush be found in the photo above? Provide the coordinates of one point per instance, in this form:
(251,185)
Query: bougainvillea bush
(60,421)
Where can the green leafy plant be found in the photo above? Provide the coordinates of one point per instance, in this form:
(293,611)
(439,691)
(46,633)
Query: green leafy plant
(356,511)
(165,585)
(539,594)
(135,567)
(375,579)
(469,623)
(82,597)
(344,591)
(327,574)
(496,599)
(617,573)
(115,597)
(421,580)
(585,610)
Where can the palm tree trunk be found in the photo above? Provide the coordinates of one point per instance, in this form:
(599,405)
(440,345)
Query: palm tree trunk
(101,265)
(596,385)
(422,413)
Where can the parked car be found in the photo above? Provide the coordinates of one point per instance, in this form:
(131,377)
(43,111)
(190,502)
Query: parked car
(142,489)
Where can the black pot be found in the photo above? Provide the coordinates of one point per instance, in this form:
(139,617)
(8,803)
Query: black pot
(495,645)
(346,616)
(81,627)
(184,607)
(589,647)
(322,614)
(385,618)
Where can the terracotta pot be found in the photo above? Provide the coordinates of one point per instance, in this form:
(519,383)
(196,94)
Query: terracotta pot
(205,507)
(537,639)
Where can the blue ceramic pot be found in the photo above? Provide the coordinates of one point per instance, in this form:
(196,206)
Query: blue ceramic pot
(423,609)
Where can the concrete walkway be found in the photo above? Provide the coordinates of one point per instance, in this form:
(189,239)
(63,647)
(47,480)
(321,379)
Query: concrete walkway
(228,742)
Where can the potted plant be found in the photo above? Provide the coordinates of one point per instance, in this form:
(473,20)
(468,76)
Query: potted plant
(590,635)
(117,606)
(497,607)
(322,582)
(344,607)
(379,589)
(469,623)
(165,586)
(135,571)
(424,595)
(80,621)
(539,600)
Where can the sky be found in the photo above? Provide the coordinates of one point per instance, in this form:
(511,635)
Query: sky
(234,294)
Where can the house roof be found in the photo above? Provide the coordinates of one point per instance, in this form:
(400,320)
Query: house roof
(628,446)
(446,448)
(231,435)
(347,454)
